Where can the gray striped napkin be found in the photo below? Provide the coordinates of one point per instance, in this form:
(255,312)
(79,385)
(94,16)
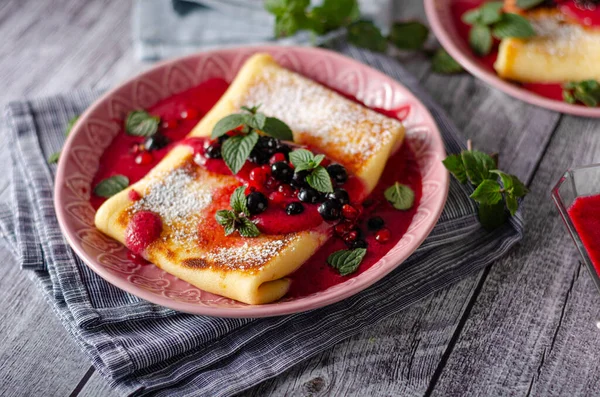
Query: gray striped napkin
(142,348)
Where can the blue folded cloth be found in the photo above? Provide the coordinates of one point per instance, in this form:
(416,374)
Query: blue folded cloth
(142,348)
(167,28)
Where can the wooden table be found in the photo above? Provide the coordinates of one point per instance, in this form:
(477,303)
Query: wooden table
(525,326)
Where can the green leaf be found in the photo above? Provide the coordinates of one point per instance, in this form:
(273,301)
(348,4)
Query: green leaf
(471,17)
(512,204)
(252,110)
(513,25)
(365,34)
(70,124)
(238,201)
(257,121)
(301,157)
(236,150)
(247,228)
(288,24)
(333,14)
(519,189)
(443,63)
(347,261)
(589,85)
(528,4)
(587,99)
(477,165)
(491,12)
(318,159)
(488,192)
(455,165)
(276,7)
(492,216)
(480,39)
(110,186)
(277,129)
(568,97)
(53,158)
(141,123)
(320,180)
(227,124)
(400,196)
(408,35)
(227,219)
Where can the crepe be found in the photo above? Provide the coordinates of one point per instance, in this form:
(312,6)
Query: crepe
(561,51)
(192,246)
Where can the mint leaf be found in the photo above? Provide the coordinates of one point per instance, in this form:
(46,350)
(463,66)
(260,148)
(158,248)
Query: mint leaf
(110,186)
(480,39)
(519,189)
(587,99)
(53,158)
(528,4)
(408,35)
(568,97)
(70,124)
(488,192)
(365,34)
(513,25)
(333,14)
(236,150)
(320,180)
(300,157)
(247,228)
(276,7)
(491,12)
(472,17)
(288,24)
(238,201)
(141,123)
(346,261)
(400,196)
(277,129)
(443,63)
(257,121)
(228,123)
(455,165)
(477,165)
(318,159)
(252,110)
(492,216)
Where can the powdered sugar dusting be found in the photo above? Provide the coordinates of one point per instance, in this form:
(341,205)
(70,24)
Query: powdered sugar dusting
(247,256)
(311,109)
(559,38)
(178,197)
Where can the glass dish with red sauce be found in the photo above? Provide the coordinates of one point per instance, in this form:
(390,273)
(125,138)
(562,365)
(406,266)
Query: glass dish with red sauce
(577,196)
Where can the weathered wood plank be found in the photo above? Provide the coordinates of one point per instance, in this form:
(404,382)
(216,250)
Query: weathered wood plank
(48,47)
(532,329)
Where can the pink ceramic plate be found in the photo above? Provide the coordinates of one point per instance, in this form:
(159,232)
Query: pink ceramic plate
(101,122)
(442,24)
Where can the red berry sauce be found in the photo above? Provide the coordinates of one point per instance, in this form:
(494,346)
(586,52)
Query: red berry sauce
(315,275)
(585,215)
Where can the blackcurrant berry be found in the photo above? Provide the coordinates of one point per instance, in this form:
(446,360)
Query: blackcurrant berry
(299,179)
(294,208)
(256,203)
(156,142)
(330,210)
(359,243)
(340,195)
(375,223)
(282,171)
(213,151)
(338,173)
(309,195)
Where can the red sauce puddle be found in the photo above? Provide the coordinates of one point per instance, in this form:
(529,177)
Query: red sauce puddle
(553,91)
(315,275)
(585,215)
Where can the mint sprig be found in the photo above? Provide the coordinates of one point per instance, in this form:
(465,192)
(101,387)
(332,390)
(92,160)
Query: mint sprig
(318,178)
(490,21)
(443,63)
(586,92)
(347,261)
(141,123)
(495,191)
(400,196)
(236,149)
(110,186)
(237,219)
(528,4)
